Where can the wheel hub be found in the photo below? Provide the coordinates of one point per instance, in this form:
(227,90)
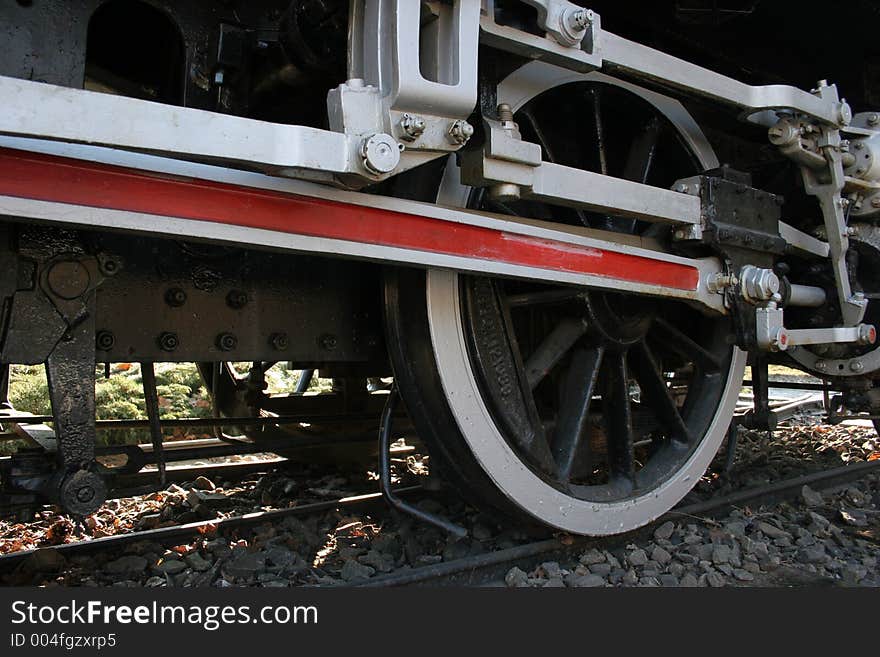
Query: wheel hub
(618,320)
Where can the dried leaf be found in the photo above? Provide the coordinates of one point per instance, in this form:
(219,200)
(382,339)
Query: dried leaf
(208,529)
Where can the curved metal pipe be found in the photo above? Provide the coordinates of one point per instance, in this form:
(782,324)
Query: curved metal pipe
(385,474)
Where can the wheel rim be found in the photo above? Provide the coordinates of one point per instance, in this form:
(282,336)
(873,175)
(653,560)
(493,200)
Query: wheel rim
(493,369)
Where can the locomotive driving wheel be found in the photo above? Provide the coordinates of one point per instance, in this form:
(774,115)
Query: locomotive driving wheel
(592,412)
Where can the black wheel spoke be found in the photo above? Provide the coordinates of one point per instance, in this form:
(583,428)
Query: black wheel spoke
(655,393)
(638,164)
(570,447)
(617,412)
(539,133)
(596,97)
(642,151)
(503,207)
(552,349)
(684,346)
(539,297)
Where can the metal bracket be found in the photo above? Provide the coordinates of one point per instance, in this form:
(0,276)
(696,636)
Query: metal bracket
(412,76)
(70,371)
(512,168)
(772,335)
(566,22)
(562,46)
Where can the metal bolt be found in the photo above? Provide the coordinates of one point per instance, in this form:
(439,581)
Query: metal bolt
(875,202)
(821,365)
(381,153)
(505,113)
(85,494)
(844,112)
(504,192)
(168,341)
(279,341)
(109,265)
(226,342)
(856,366)
(873,119)
(460,132)
(104,340)
(236,299)
(412,126)
(580,19)
(175,297)
(779,342)
(329,342)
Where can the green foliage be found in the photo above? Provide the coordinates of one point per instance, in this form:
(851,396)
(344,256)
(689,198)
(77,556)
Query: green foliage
(179,386)
(28,390)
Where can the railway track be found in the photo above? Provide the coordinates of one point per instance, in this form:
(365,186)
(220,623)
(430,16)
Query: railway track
(490,568)
(475,570)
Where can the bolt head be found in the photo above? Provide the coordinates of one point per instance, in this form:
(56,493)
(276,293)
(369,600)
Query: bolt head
(329,342)
(226,342)
(236,299)
(460,132)
(175,297)
(279,341)
(104,340)
(579,19)
(168,341)
(85,494)
(856,366)
(780,340)
(381,153)
(412,126)
(844,113)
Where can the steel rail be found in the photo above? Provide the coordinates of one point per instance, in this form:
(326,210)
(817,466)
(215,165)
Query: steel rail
(165,535)
(485,567)
(201,421)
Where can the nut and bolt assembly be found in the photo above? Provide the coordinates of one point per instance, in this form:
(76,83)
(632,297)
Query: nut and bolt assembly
(279,341)
(104,340)
(168,341)
(226,342)
(460,132)
(412,126)
(579,19)
(236,299)
(329,342)
(175,297)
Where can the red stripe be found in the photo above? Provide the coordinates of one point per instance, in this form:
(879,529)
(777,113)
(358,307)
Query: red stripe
(50,178)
